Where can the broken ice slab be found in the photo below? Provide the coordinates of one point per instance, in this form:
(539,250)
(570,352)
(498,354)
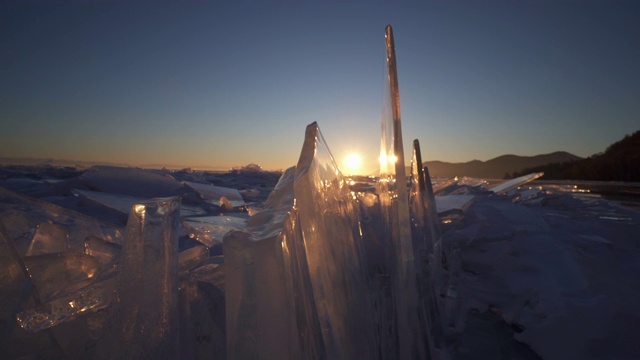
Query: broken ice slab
(504,187)
(123,203)
(210,230)
(471,182)
(89,299)
(222,196)
(130,181)
(49,238)
(22,216)
(144,323)
(446,204)
(192,257)
(442,184)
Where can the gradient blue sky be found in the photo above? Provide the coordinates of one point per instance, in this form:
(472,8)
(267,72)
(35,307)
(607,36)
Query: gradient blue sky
(213,84)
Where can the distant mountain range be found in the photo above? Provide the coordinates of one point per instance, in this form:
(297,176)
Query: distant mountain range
(619,162)
(498,168)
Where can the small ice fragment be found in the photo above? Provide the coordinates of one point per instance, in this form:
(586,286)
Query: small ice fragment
(211,271)
(210,230)
(49,238)
(106,251)
(60,273)
(218,195)
(249,193)
(89,299)
(192,257)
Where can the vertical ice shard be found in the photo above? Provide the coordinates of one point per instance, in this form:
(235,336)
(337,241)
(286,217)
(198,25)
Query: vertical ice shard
(427,248)
(410,322)
(334,252)
(145,321)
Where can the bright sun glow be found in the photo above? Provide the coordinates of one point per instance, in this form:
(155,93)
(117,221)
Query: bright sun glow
(353,164)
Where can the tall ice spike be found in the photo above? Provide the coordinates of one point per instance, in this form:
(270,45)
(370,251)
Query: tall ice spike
(410,322)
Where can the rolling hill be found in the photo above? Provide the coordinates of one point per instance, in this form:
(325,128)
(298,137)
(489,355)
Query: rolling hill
(497,168)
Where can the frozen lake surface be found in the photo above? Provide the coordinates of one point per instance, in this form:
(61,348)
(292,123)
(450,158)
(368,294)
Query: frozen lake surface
(547,271)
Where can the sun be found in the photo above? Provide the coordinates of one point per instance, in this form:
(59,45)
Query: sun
(352,164)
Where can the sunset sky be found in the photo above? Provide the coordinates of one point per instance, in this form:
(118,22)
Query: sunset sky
(220,85)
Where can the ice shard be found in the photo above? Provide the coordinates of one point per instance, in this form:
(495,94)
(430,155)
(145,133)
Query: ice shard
(504,187)
(334,251)
(144,323)
(425,229)
(299,269)
(410,321)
